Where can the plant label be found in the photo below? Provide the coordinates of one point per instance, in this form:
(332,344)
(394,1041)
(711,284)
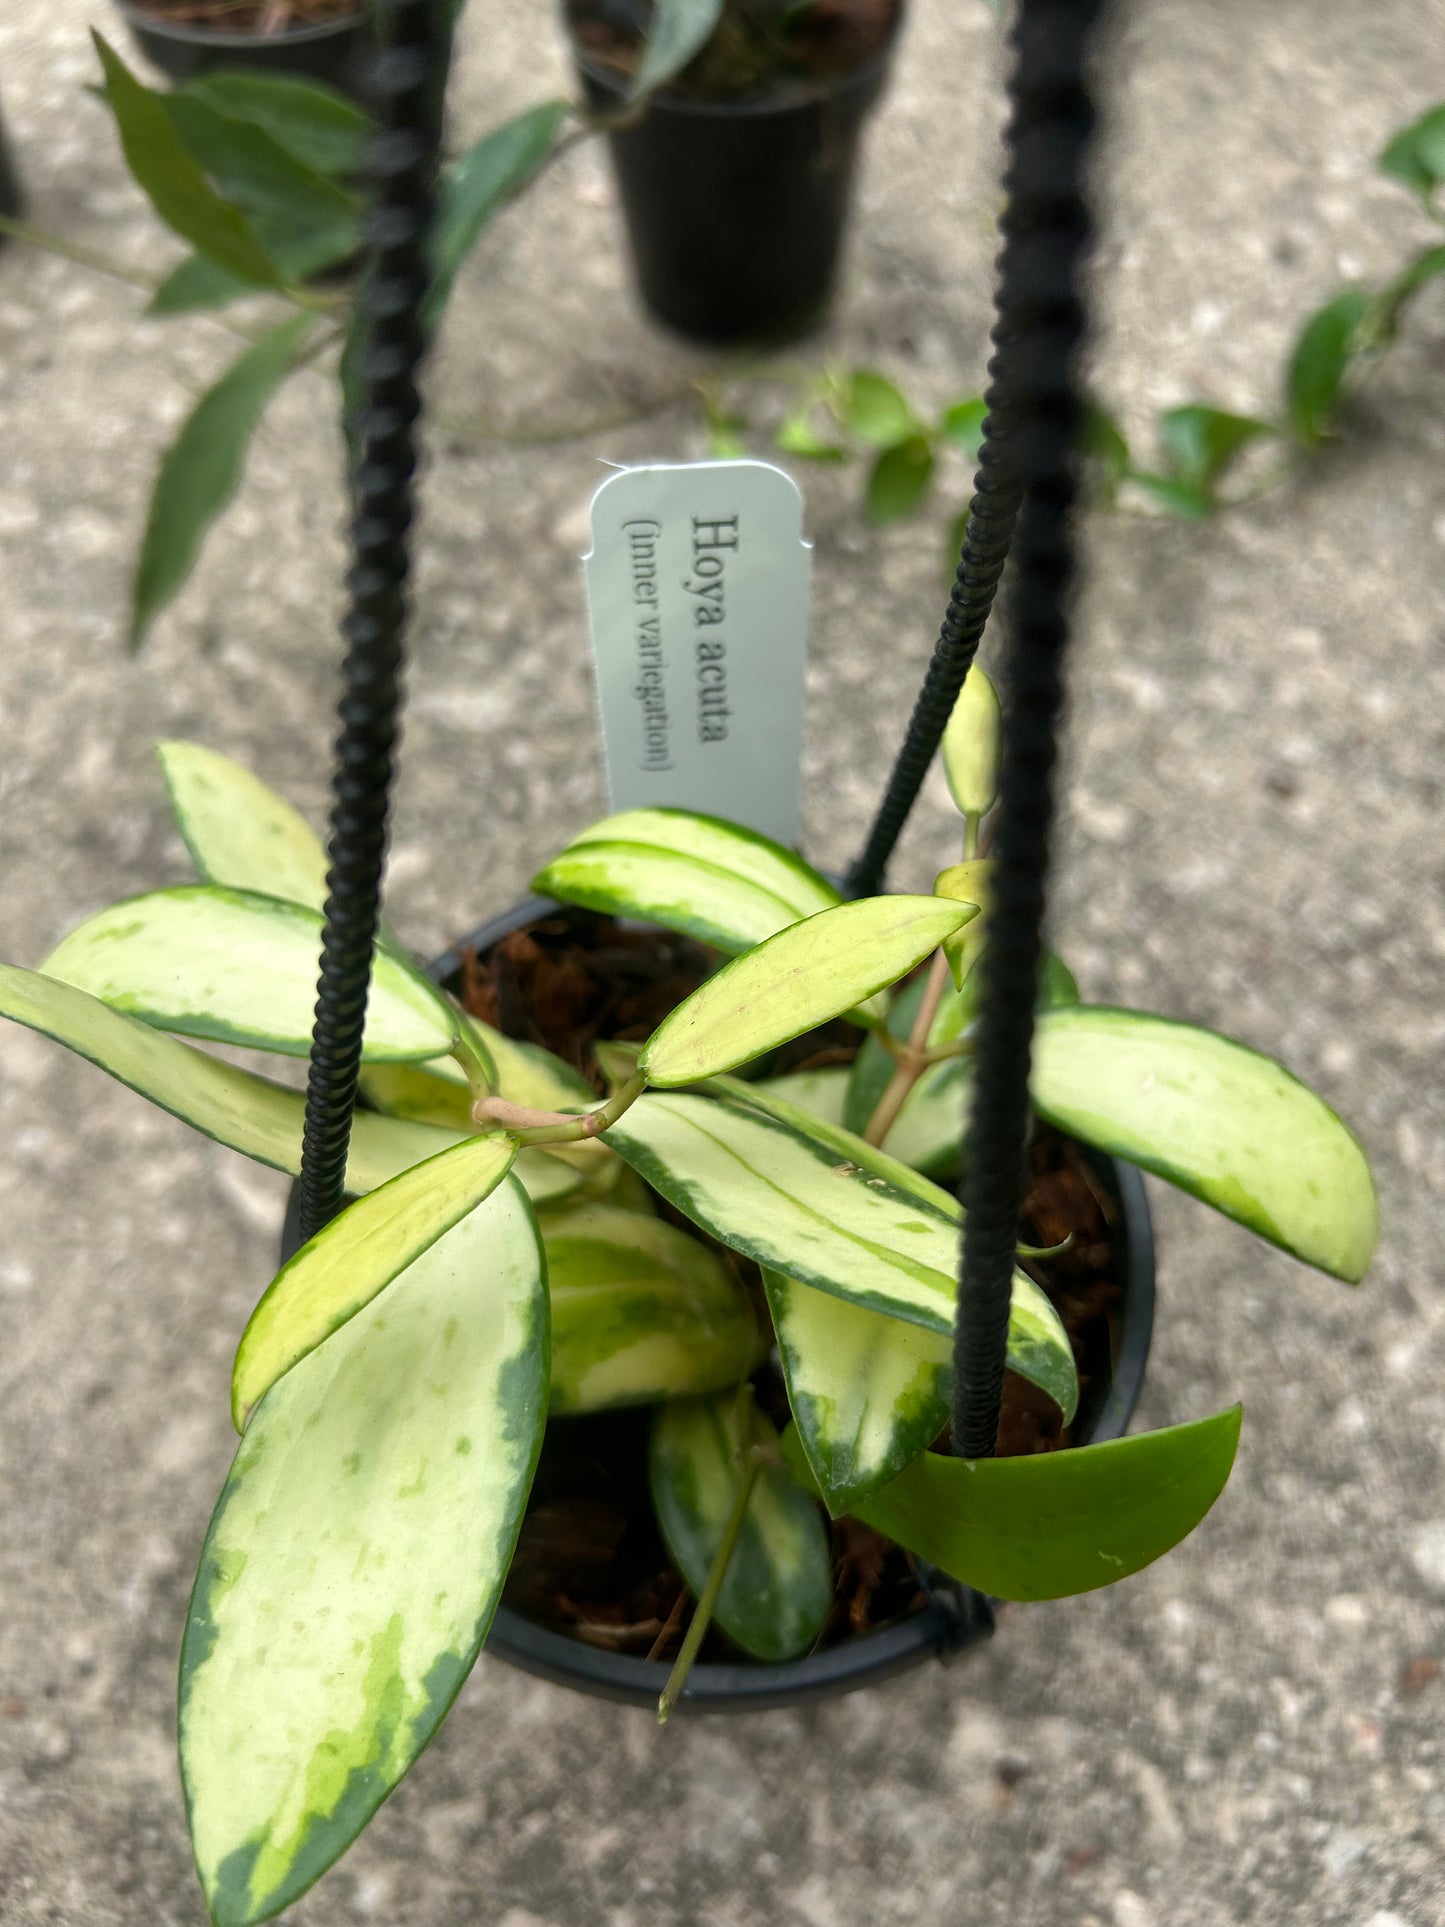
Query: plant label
(697,590)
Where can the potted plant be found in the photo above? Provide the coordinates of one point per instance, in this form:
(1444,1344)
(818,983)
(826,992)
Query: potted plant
(734,137)
(674,1235)
(327,40)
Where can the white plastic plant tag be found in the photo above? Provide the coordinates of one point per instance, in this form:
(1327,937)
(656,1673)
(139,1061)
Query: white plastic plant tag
(697,588)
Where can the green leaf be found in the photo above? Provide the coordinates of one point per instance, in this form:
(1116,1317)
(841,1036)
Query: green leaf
(782,1194)
(358,1255)
(873,410)
(640,1312)
(1388,306)
(963,423)
(303,219)
(196,286)
(248,1113)
(680,29)
(708,879)
(1055,1523)
(241,968)
(790,983)
(355,1560)
(799,436)
(899,479)
(1103,441)
(1327,344)
(1201,442)
(1186,500)
(313,123)
(175,186)
(479,182)
(868,1393)
(1217,1119)
(971,745)
(1416,154)
(821,1093)
(201,469)
(779,1585)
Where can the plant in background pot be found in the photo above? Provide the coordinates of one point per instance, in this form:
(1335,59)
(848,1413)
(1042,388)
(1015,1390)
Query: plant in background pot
(736,127)
(327,40)
(665,1226)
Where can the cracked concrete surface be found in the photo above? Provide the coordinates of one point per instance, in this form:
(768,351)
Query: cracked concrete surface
(1247,1733)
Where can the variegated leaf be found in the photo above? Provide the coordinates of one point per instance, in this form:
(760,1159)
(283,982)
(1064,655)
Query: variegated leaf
(640,1312)
(779,1583)
(1217,1119)
(794,981)
(355,1560)
(702,876)
(358,1255)
(780,1193)
(207,961)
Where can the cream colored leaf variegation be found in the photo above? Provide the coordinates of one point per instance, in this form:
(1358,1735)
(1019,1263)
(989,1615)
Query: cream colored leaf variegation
(356,1557)
(798,979)
(206,961)
(356,1256)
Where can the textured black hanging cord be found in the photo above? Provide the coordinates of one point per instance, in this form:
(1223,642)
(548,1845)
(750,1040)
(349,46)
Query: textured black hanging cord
(991,514)
(407,102)
(1042,318)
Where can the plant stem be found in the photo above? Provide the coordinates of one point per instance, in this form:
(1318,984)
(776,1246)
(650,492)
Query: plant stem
(471,1061)
(752,1457)
(913,1059)
(557,1127)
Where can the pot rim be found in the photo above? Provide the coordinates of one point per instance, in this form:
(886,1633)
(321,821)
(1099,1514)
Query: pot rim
(194,34)
(957,1619)
(747,106)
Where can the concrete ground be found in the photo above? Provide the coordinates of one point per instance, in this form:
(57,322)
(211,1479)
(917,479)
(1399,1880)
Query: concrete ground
(1250,1731)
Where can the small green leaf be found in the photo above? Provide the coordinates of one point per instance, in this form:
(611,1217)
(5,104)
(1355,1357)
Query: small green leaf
(899,479)
(1392,300)
(680,29)
(248,1113)
(696,874)
(1185,500)
(1201,442)
(1327,344)
(241,968)
(355,1560)
(779,1585)
(640,1312)
(479,182)
(873,410)
(799,436)
(357,1256)
(963,423)
(196,286)
(313,123)
(1103,441)
(794,981)
(1217,1119)
(177,189)
(1054,1523)
(201,470)
(865,1229)
(971,745)
(1416,154)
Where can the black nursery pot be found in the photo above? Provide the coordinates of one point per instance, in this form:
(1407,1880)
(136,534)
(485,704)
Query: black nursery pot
(956,1619)
(334,51)
(736,209)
